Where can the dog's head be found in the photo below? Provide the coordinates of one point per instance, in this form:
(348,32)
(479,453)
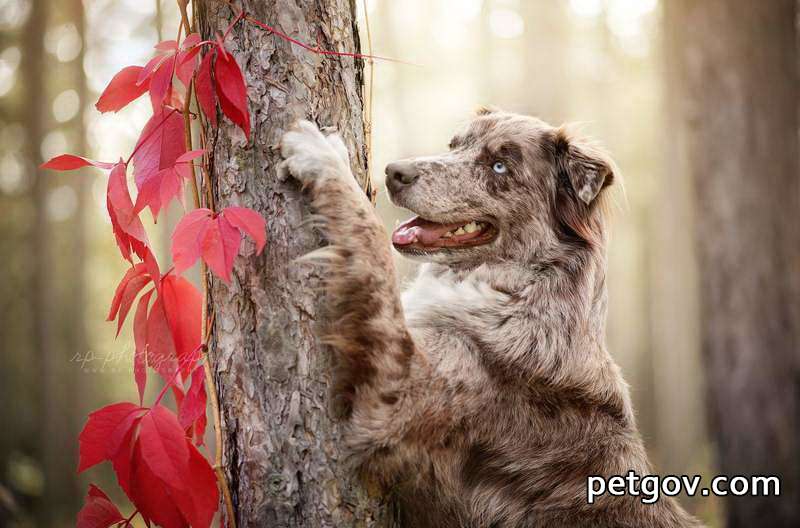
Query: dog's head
(511,187)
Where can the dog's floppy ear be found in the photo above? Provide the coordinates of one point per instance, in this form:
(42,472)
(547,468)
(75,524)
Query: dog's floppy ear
(486,110)
(586,168)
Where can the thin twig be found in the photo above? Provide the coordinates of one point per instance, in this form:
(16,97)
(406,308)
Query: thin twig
(127,522)
(368,131)
(315,49)
(276,84)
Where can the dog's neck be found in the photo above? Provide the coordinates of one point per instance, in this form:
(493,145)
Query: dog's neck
(559,305)
(574,277)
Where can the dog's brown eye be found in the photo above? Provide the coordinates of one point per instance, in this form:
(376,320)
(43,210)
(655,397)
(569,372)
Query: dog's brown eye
(499,167)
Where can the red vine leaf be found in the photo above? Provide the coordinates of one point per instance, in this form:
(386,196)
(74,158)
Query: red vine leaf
(159,188)
(199,506)
(167,333)
(128,229)
(190,41)
(187,63)
(232,91)
(151,496)
(215,238)
(163,474)
(249,222)
(191,155)
(183,305)
(151,66)
(135,279)
(140,343)
(219,245)
(164,446)
(122,90)
(187,58)
(66,162)
(161,82)
(159,146)
(204,89)
(167,45)
(121,445)
(101,425)
(192,413)
(188,238)
(98,511)
(160,345)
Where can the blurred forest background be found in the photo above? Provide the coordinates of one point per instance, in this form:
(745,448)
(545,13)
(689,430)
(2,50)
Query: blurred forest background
(598,62)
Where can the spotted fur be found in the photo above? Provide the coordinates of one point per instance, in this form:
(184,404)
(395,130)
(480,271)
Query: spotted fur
(485,396)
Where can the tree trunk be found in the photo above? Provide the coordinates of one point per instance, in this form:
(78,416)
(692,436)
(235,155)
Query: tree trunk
(51,424)
(74,320)
(734,72)
(281,442)
(546,47)
(680,430)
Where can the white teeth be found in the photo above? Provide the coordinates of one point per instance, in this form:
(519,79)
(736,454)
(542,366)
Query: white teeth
(471,227)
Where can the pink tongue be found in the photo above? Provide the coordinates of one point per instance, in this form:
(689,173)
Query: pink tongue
(406,235)
(419,230)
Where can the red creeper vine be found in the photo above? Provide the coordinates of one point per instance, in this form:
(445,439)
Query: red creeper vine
(155,451)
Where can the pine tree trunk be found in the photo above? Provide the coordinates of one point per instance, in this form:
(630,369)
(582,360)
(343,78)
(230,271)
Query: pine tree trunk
(734,78)
(282,450)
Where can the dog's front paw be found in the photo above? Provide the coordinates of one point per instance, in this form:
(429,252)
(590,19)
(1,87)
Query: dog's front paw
(310,155)
(337,143)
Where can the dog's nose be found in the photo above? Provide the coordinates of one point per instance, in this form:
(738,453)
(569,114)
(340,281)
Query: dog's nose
(400,173)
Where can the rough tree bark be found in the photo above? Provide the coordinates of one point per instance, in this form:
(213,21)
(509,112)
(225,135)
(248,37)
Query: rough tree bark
(734,78)
(282,448)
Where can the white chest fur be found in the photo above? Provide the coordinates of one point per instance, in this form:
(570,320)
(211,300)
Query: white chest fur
(443,312)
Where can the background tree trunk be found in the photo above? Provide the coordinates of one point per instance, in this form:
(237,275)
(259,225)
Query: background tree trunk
(734,79)
(74,320)
(282,449)
(45,326)
(679,431)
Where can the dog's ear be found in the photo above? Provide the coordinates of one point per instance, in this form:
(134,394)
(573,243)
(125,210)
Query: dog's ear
(486,110)
(586,168)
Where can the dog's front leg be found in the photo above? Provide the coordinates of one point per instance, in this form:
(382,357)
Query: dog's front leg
(366,326)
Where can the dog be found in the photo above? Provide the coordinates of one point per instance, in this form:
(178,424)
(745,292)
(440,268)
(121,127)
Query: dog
(484,397)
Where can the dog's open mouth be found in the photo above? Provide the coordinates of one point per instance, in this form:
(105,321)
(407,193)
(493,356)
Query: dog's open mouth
(418,234)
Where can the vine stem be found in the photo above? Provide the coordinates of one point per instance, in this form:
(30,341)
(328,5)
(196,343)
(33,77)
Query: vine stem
(127,522)
(206,327)
(371,61)
(314,49)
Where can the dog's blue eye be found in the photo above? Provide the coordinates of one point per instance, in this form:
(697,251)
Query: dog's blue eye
(499,167)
